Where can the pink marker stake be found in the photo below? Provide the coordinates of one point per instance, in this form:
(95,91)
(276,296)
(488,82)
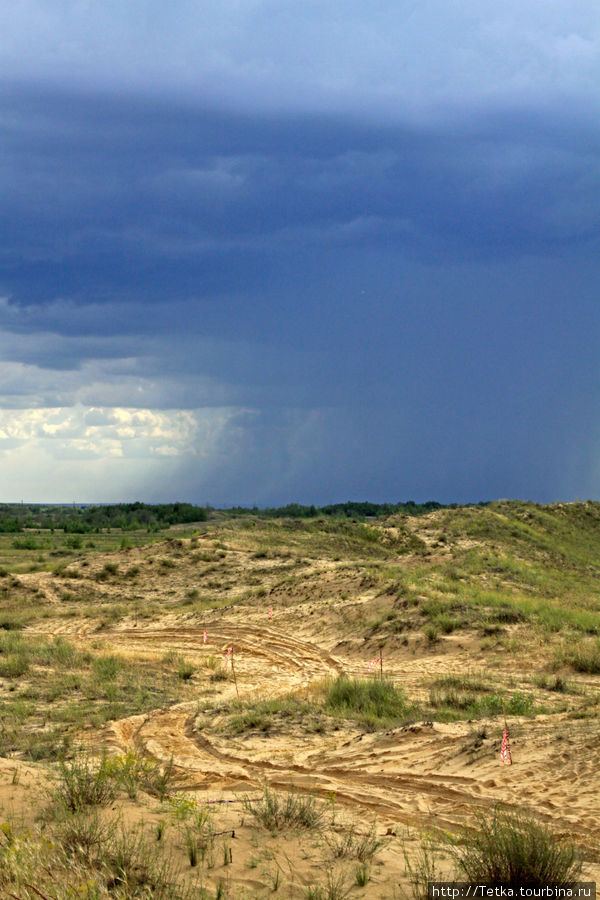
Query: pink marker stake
(205,636)
(270,612)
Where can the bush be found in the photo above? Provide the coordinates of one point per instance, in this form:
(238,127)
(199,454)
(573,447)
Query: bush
(14,665)
(27,543)
(106,668)
(83,834)
(431,633)
(514,850)
(353,843)
(106,571)
(84,784)
(276,811)
(583,656)
(185,670)
(368,697)
(9,622)
(133,772)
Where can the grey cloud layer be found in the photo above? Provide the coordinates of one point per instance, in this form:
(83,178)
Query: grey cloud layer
(112,198)
(341,251)
(394,57)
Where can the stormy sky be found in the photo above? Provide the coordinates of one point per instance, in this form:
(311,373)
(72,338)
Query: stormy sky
(262,251)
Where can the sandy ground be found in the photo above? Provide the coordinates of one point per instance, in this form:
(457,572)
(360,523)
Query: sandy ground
(407,780)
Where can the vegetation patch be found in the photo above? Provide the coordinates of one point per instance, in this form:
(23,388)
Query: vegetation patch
(516,851)
(370,701)
(54,690)
(275,811)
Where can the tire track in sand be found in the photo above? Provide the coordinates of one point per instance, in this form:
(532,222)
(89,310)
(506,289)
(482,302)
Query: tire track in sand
(418,774)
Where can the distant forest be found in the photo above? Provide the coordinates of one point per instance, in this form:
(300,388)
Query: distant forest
(83,519)
(352,509)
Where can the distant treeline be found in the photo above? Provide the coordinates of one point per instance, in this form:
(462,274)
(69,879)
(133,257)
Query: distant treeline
(154,517)
(86,519)
(352,509)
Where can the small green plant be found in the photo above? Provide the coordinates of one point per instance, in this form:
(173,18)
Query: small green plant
(362,874)
(367,699)
(106,668)
(431,632)
(515,850)
(422,868)
(191,843)
(276,811)
(85,783)
(350,842)
(185,670)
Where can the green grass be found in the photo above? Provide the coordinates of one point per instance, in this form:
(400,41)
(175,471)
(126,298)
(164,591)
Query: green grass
(57,689)
(372,702)
(84,783)
(21,553)
(582,656)
(85,855)
(280,714)
(276,811)
(516,851)
(449,704)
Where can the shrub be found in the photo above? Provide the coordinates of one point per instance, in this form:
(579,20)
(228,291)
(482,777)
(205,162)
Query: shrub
(468,702)
(106,668)
(584,656)
(185,670)
(106,571)
(515,850)
(366,697)
(84,784)
(352,843)
(275,811)
(83,834)
(14,665)
(431,633)
(8,622)
(27,543)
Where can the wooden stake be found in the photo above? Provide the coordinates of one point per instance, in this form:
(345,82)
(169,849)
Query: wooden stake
(381,663)
(234,675)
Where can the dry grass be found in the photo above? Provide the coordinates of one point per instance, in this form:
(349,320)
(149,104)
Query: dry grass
(469,606)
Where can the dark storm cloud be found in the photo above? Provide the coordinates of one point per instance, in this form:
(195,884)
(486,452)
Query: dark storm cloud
(300,251)
(119,198)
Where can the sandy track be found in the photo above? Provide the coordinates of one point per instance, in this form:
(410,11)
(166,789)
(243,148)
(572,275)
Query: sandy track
(406,776)
(421,774)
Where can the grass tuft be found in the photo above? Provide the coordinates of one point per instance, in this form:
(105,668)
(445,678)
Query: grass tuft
(368,700)
(85,784)
(516,851)
(276,811)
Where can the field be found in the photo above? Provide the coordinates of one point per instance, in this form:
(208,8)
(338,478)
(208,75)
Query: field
(138,760)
